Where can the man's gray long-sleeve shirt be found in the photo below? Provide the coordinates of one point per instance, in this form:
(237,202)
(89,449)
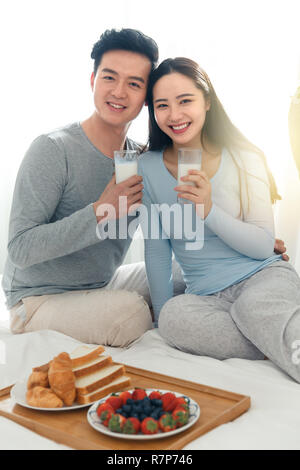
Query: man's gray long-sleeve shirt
(53,245)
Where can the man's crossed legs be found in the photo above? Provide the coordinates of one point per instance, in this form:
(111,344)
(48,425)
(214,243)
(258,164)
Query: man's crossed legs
(115,315)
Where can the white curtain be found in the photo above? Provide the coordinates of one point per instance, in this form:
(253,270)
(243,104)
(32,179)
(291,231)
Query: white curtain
(250,49)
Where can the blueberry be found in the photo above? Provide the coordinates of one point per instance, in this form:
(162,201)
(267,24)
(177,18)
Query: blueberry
(134,415)
(130,401)
(127,408)
(119,410)
(142,416)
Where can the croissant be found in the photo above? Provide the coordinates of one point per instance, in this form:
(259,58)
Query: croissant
(43,398)
(62,378)
(38,378)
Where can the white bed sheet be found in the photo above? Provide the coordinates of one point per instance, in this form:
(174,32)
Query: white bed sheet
(273,421)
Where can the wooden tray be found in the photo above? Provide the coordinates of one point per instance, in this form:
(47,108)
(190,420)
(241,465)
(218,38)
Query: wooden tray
(72,429)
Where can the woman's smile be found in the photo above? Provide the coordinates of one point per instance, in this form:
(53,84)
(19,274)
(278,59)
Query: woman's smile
(180,128)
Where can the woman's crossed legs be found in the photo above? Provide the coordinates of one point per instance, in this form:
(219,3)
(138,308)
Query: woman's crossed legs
(257,317)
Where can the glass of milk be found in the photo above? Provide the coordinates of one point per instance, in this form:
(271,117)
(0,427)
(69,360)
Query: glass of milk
(188,159)
(126,164)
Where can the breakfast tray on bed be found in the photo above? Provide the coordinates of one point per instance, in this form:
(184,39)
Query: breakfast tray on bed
(72,429)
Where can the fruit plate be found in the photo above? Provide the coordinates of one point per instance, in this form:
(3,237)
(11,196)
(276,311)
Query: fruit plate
(94,420)
(18,394)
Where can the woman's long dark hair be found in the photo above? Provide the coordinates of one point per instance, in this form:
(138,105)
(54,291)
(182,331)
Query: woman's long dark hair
(218,128)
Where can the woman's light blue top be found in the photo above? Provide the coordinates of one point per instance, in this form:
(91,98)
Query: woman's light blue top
(232,243)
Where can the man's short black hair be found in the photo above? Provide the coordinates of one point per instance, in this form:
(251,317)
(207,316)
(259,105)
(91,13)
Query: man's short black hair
(125,39)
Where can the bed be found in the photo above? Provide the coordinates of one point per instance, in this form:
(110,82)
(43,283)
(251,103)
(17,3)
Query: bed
(272,422)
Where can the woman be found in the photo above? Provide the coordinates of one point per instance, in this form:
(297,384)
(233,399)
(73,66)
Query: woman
(241,299)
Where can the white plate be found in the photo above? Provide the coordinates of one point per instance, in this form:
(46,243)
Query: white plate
(18,393)
(95,422)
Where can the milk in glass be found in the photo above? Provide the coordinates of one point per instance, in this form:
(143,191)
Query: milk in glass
(126,164)
(183,170)
(125,169)
(188,159)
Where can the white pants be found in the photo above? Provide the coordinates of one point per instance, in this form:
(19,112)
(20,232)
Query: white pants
(114,315)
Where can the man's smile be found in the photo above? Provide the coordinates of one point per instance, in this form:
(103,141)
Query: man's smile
(116,106)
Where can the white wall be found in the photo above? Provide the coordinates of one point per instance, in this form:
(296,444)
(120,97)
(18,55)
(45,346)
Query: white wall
(249,48)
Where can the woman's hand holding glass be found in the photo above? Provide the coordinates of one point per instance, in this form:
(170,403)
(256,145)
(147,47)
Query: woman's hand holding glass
(199,192)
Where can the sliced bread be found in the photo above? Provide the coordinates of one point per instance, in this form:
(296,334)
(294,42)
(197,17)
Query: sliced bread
(115,386)
(92,366)
(83,354)
(91,382)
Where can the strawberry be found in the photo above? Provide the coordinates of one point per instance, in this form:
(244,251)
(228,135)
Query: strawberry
(180,416)
(115,401)
(116,422)
(183,408)
(156,395)
(131,426)
(149,426)
(103,407)
(124,396)
(105,412)
(168,401)
(182,401)
(139,394)
(166,422)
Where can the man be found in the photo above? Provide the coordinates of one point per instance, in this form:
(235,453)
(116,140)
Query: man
(59,275)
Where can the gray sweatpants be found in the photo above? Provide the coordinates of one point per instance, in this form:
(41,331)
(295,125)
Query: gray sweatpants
(257,317)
